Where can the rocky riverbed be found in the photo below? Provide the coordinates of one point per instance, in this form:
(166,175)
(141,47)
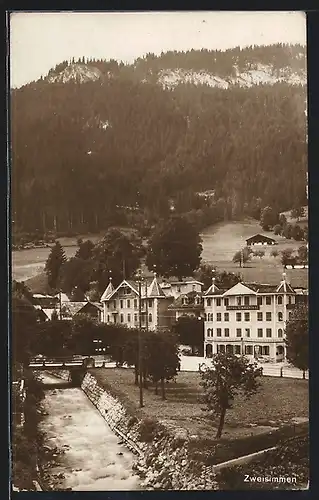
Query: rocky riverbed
(87,455)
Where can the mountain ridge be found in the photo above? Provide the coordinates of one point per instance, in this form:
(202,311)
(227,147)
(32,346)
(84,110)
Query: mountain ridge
(94,135)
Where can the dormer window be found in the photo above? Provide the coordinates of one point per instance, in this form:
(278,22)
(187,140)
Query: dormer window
(184,301)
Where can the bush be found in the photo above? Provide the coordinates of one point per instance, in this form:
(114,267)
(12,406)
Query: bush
(131,422)
(148,429)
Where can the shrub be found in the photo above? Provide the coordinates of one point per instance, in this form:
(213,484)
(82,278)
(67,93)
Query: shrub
(131,422)
(148,429)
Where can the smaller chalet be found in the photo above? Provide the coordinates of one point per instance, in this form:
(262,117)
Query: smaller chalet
(260,239)
(188,304)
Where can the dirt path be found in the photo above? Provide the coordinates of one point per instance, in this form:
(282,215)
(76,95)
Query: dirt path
(93,459)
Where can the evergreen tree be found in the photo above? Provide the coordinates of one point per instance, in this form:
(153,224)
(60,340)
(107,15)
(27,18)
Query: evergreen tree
(54,263)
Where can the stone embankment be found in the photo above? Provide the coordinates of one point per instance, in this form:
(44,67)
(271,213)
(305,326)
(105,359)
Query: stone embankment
(163,457)
(61,374)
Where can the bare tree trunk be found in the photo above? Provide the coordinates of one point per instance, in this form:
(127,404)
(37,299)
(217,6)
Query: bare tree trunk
(145,384)
(221,423)
(156,387)
(136,374)
(163,388)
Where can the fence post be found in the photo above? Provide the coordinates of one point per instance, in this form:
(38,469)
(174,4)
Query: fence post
(281,371)
(303,374)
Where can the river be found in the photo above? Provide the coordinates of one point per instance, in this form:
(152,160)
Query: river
(93,459)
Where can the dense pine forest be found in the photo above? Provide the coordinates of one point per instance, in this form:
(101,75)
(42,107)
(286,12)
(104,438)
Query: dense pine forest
(97,143)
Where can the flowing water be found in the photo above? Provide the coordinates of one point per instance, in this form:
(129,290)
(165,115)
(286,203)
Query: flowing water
(93,459)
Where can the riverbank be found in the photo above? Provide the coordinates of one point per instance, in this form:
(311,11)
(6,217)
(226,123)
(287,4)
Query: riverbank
(87,455)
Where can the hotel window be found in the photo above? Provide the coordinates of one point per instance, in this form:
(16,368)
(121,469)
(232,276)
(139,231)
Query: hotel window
(259,316)
(290,315)
(238,316)
(289,300)
(129,318)
(108,319)
(219,332)
(114,304)
(247,317)
(248,349)
(226,302)
(135,318)
(280,316)
(107,305)
(128,304)
(279,300)
(121,304)
(209,332)
(135,303)
(265,350)
(247,332)
(226,317)
(205,317)
(246,301)
(226,332)
(150,318)
(218,302)
(237,349)
(121,318)
(238,332)
(268,300)
(268,332)
(209,317)
(259,301)
(280,333)
(209,302)
(219,317)
(238,301)
(268,316)
(220,348)
(259,332)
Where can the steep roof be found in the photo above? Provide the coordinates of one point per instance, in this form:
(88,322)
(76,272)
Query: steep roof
(180,303)
(107,292)
(154,289)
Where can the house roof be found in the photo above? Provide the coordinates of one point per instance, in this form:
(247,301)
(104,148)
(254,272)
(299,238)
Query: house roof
(261,237)
(190,304)
(153,289)
(283,287)
(71,308)
(107,292)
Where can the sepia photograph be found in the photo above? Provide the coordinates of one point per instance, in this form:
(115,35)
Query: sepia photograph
(159,251)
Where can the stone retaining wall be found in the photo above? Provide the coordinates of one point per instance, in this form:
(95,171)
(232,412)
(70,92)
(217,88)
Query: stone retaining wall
(62,374)
(163,463)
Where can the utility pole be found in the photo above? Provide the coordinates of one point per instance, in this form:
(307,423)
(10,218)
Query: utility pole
(140,354)
(60,301)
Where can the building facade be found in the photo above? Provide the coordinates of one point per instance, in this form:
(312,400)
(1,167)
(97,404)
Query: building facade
(121,304)
(249,318)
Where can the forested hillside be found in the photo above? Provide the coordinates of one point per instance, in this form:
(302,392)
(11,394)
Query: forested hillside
(96,143)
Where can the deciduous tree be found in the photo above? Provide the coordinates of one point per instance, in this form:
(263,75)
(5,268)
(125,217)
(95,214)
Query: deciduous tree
(190,331)
(227,377)
(297,337)
(174,248)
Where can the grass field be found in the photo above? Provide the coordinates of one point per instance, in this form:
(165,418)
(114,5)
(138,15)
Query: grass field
(279,401)
(220,242)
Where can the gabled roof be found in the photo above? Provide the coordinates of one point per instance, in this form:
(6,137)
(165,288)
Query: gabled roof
(154,289)
(260,237)
(241,289)
(71,308)
(131,284)
(190,304)
(107,292)
(213,289)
